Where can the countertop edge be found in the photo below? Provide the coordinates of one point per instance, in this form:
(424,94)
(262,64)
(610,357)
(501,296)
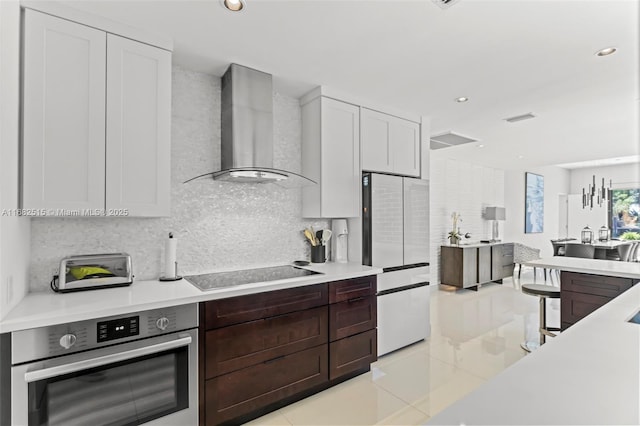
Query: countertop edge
(32,312)
(610,268)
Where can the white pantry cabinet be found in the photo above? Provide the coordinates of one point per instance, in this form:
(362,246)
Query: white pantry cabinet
(96,121)
(389,144)
(331,157)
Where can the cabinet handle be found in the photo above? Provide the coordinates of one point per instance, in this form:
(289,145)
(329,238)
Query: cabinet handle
(274,359)
(355,299)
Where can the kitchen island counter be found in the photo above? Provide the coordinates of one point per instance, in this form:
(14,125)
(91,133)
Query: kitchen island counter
(589,374)
(610,268)
(49,308)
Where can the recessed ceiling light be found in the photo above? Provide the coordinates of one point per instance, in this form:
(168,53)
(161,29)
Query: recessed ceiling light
(481,146)
(606,51)
(520,157)
(233,5)
(462,99)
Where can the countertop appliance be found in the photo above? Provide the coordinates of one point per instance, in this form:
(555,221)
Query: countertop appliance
(395,237)
(340,242)
(219,280)
(91,271)
(138,368)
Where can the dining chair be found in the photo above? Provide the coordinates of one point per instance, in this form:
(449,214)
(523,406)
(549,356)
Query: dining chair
(586,251)
(624,251)
(633,254)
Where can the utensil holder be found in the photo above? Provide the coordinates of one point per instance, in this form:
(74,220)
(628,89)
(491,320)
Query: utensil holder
(318,254)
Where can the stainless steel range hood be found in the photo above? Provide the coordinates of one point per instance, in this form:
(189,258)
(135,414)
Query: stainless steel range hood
(247,130)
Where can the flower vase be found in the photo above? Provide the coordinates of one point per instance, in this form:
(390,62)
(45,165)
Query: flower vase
(454,241)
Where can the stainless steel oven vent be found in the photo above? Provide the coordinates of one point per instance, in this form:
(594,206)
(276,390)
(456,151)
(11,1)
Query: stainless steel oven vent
(526,116)
(444,4)
(449,139)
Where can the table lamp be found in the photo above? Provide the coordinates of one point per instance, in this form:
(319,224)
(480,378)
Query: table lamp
(495,214)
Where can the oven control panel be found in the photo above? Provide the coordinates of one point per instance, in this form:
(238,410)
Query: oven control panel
(63,339)
(118,328)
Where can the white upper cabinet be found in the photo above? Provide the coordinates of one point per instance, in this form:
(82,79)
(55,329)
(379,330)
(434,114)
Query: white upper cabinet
(389,144)
(331,157)
(63,114)
(138,142)
(96,121)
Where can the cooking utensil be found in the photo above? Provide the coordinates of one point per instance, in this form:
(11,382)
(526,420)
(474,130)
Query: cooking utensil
(310,237)
(326,235)
(319,237)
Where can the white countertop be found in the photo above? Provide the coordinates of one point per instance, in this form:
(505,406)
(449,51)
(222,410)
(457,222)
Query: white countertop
(474,244)
(49,308)
(588,375)
(610,268)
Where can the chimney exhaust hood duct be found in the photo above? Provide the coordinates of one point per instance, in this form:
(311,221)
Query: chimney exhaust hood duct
(247,130)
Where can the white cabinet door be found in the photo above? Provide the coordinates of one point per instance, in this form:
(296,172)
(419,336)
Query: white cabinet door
(63,114)
(138,143)
(389,144)
(340,182)
(386,221)
(405,146)
(375,139)
(416,220)
(331,157)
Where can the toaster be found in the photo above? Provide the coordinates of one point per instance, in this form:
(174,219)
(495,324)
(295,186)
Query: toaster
(92,271)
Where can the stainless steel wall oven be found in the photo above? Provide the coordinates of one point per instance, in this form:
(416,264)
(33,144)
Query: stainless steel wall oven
(123,370)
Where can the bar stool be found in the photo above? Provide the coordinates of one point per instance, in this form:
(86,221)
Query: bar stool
(543,292)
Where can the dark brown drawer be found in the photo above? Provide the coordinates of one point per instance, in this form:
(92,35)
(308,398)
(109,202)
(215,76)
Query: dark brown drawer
(351,354)
(241,345)
(244,391)
(339,291)
(235,310)
(352,317)
(594,284)
(575,306)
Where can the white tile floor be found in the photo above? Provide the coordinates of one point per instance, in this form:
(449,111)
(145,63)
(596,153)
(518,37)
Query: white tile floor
(474,336)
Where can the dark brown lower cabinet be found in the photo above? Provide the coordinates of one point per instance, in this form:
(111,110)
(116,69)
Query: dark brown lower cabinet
(581,294)
(352,317)
(235,394)
(352,354)
(242,345)
(260,352)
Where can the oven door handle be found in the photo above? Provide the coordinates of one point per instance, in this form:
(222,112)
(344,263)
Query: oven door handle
(47,373)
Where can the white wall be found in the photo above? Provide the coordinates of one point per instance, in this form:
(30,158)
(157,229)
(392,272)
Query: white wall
(220,225)
(556,182)
(14,231)
(465,188)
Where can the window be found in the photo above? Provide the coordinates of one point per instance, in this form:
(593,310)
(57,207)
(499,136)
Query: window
(624,209)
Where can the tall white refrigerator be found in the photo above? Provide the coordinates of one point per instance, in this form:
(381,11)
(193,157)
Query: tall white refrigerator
(395,237)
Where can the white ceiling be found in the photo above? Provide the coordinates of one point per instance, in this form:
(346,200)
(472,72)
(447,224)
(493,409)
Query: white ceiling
(509,57)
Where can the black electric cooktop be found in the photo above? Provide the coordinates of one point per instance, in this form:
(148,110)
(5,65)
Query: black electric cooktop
(246,276)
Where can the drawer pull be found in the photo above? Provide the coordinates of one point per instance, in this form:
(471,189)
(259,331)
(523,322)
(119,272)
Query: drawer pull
(274,359)
(355,299)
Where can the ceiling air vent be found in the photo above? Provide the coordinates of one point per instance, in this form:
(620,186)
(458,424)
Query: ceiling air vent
(448,139)
(526,116)
(445,3)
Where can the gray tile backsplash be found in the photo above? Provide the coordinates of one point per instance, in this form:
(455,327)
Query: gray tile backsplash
(219,226)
